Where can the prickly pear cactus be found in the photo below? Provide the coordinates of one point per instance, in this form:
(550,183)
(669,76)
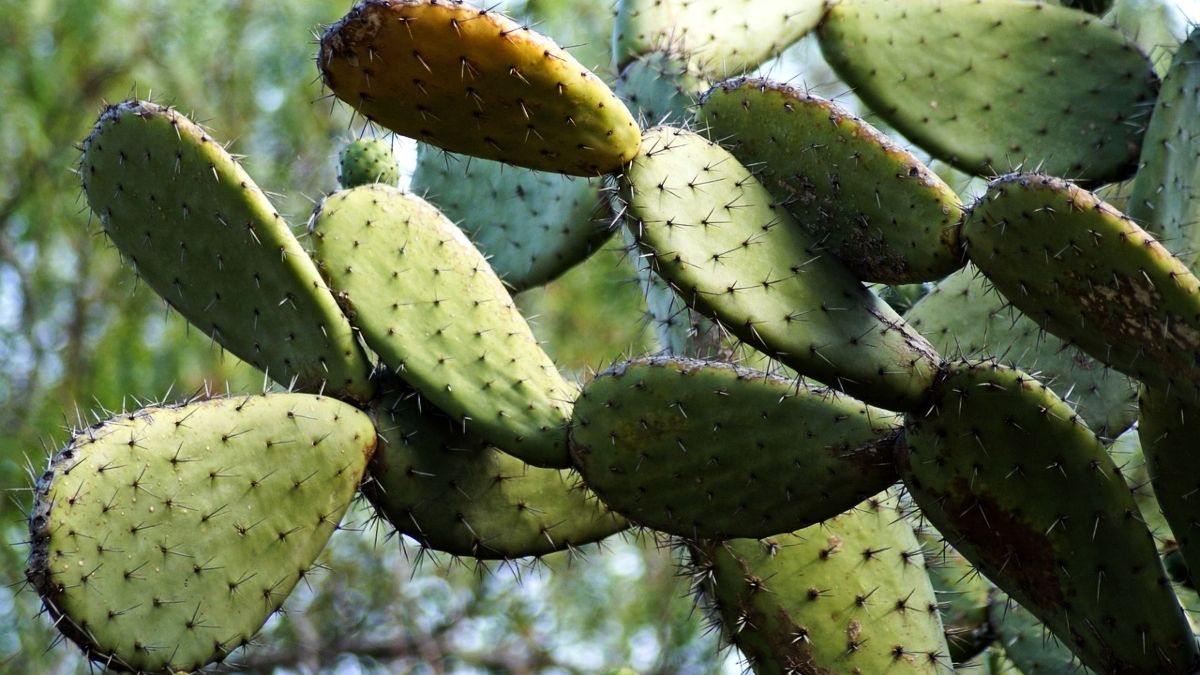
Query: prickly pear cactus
(1091,276)
(164,538)
(869,202)
(428,303)
(199,231)
(453,492)
(366,161)
(849,595)
(991,87)
(474,81)
(1003,468)
(712,230)
(701,449)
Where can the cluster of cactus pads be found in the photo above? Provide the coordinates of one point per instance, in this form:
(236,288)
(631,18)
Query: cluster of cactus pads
(930,488)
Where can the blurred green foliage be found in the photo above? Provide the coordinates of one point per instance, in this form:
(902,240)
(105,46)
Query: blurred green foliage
(80,338)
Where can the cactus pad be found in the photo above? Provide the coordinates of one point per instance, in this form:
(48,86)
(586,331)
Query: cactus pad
(203,236)
(453,492)
(531,225)
(1168,430)
(993,86)
(1089,275)
(660,87)
(1002,467)
(1032,648)
(871,203)
(849,595)
(710,450)
(965,317)
(475,82)
(715,233)
(721,36)
(163,539)
(1164,199)
(428,303)
(964,596)
(366,161)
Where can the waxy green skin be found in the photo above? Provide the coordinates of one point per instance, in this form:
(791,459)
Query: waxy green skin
(205,238)
(427,302)
(453,492)
(1164,200)
(722,37)
(709,450)
(660,87)
(1031,647)
(366,161)
(475,82)
(871,203)
(965,317)
(717,236)
(849,595)
(991,87)
(964,596)
(1126,452)
(982,463)
(1168,429)
(1089,275)
(163,539)
(532,226)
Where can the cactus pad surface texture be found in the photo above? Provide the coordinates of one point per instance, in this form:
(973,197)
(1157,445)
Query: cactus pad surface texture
(475,82)
(1002,467)
(163,539)
(428,303)
(200,233)
(992,86)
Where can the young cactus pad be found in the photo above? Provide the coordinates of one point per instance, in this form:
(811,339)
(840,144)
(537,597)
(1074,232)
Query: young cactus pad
(965,317)
(713,231)
(1164,199)
(1092,277)
(532,226)
(870,202)
(163,539)
(993,86)
(452,492)
(428,303)
(201,234)
(366,161)
(1002,467)
(722,37)
(710,450)
(475,82)
(849,595)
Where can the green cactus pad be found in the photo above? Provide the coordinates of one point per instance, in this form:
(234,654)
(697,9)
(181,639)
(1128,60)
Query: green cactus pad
(1003,468)
(1168,430)
(705,449)
(1157,26)
(871,203)
(453,492)
(475,82)
(717,236)
(164,538)
(1091,276)
(849,595)
(660,87)
(200,233)
(532,226)
(964,596)
(1032,648)
(366,161)
(965,317)
(994,86)
(1164,200)
(722,37)
(428,303)
(1126,453)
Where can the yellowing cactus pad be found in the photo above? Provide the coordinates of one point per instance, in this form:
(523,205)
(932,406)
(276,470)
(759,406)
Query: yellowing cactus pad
(475,82)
